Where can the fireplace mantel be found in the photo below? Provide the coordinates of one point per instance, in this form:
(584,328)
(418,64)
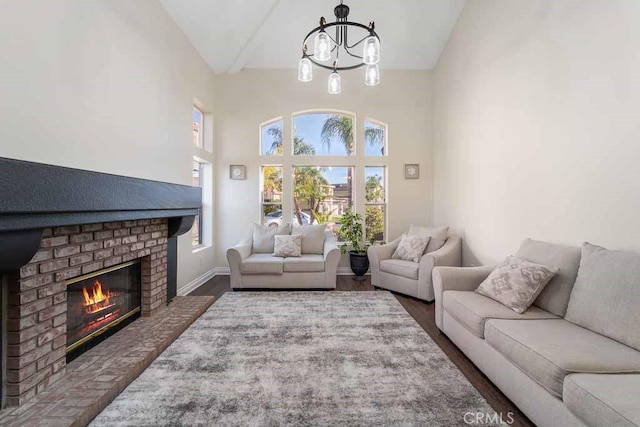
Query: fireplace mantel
(34,196)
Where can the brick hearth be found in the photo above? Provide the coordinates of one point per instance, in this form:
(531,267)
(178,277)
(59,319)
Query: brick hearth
(37,305)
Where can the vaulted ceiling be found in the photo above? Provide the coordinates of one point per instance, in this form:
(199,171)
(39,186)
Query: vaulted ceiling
(235,34)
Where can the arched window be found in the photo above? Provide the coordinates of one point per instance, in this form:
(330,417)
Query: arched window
(325,163)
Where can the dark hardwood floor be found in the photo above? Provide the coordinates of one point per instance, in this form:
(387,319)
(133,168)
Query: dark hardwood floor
(424,314)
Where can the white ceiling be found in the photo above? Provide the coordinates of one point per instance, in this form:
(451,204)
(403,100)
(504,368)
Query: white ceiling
(235,34)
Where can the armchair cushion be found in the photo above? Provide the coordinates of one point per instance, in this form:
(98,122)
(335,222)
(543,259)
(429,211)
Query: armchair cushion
(262,264)
(263,237)
(312,238)
(411,248)
(400,267)
(438,235)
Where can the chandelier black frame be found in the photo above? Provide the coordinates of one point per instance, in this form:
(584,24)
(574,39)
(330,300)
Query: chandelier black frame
(327,47)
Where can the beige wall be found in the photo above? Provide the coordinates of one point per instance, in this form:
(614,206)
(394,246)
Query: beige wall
(105,86)
(251,97)
(536,125)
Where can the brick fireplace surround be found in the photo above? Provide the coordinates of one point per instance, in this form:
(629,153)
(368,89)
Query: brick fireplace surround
(37,305)
(58,223)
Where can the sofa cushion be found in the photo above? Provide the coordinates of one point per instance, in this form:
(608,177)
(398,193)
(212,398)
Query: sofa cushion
(262,264)
(516,283)
(304,264)
(604,400)
(438,236)
(263,239)
(400,267)
(312,238)
(554,298)
(606,296)
(472,310)
(548,350)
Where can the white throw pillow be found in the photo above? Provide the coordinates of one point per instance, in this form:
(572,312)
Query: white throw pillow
(438,236)
(312,238)
(263,237)
(410,248)
(516,283)
(287,245)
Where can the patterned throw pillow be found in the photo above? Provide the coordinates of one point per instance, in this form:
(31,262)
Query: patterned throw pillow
(288,246)
(516,283)
(411,247)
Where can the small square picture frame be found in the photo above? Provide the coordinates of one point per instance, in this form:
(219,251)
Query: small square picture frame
(237,172)
(411,171)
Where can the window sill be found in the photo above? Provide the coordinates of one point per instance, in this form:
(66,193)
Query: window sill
(199,248)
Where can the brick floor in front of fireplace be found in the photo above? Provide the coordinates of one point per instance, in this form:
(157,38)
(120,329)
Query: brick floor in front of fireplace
(96,377)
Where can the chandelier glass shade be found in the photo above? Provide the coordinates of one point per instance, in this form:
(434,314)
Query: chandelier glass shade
(333,49)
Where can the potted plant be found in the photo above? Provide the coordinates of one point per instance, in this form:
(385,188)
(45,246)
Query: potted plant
(351,232)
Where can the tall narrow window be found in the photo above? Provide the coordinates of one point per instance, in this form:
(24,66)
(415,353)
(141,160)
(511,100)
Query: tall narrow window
(197,180)
(323,134)
(271,138)
(375,136)
(272,196)
(375,203)
(321,194)
(198,128)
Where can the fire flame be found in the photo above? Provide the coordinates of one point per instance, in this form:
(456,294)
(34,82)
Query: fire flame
(98,299)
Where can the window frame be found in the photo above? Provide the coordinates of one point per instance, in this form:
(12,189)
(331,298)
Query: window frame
(385,142)
(266,124)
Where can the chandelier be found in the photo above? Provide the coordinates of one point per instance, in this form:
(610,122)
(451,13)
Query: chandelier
(327,50)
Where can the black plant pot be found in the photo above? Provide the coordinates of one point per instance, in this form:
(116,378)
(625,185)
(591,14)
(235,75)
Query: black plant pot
(359,262)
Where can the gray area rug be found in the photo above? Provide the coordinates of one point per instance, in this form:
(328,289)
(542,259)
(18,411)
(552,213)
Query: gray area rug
(299,358)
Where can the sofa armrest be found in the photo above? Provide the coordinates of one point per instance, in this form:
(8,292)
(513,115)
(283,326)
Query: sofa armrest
(450,254)
(235,256)
(331,259)
(378,253)
(456,279)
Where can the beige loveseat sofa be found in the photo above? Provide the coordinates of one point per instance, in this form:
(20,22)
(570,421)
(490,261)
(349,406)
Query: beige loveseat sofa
(573,358)
(252,264)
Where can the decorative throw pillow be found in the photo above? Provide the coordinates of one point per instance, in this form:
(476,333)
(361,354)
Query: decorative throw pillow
(287,246)
(516,283)
(410,248)
(263,237)
(438,235)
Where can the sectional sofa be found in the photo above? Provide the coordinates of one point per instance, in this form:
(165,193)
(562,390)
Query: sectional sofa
(573,358)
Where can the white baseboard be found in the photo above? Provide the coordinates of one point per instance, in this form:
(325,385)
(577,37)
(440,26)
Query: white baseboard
(199,281)
(222,271)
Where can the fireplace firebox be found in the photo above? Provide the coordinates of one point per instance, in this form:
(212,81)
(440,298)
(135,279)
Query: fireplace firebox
(100,301)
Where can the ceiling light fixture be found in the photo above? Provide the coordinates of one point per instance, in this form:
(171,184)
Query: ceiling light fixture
(326,47)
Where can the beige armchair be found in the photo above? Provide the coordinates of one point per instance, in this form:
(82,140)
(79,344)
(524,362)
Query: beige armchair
(411,278)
